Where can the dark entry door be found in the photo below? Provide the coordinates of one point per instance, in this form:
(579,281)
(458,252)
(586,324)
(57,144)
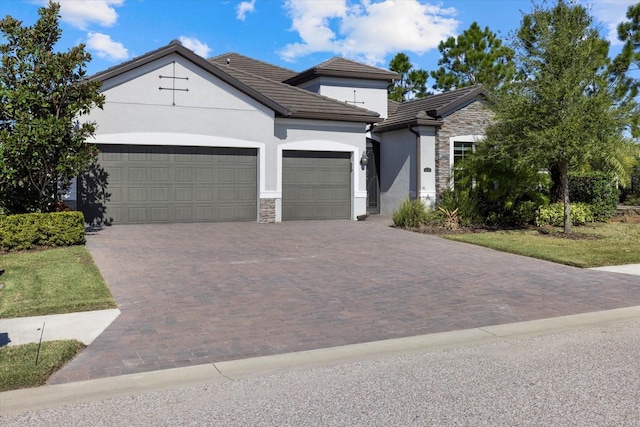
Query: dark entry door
(373,178)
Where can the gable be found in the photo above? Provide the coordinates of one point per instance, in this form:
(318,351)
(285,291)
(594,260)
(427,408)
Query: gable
(174,81)
(147,98)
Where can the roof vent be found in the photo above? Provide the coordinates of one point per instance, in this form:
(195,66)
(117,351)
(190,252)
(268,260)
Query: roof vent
(176,41)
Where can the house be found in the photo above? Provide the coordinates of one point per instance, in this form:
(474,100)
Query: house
(186,139)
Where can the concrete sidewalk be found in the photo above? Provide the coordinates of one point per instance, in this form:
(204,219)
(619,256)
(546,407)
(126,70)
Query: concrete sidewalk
(82,326)
(633,269)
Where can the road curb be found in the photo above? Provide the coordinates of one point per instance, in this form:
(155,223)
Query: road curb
(50,396)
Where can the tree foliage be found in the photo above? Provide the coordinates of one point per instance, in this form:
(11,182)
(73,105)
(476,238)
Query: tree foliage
(42,95)
(412,82)
(629,56)
(563,114)
(476,56)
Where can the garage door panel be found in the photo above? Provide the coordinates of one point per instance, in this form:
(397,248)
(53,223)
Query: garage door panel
(316,185)
(136,156)
(204,195)
(160,174)
(204,174)
(137,214)
(160,194)
(184,174)
(137,194)
(159,213)
(183,213)
(159,157)
(138,174)
(149,184)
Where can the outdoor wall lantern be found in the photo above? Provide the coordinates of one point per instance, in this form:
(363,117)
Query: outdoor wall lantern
(364,159)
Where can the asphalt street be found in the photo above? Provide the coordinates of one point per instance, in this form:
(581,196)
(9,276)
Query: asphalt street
(579,377)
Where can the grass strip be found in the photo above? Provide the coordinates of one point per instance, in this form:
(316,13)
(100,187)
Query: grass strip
(18,368)
(596,245)
(51,281)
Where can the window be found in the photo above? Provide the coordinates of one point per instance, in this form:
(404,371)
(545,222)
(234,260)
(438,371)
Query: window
(461,149)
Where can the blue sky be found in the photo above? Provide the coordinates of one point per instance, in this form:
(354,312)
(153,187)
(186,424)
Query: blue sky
(296,34)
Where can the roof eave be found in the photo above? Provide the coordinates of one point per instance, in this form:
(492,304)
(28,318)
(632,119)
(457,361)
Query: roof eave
(468,98)
(313,73)
(336,117)
(406,124)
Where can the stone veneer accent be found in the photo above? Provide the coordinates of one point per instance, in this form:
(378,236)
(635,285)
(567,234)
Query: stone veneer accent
(470,120)
(267,211)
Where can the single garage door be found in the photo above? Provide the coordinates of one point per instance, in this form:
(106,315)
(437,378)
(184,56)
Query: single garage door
(157,184)
(316,185)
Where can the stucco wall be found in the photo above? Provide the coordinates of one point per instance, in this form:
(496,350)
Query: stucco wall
(134,103)
(397,169)
(370,94)
(472,119)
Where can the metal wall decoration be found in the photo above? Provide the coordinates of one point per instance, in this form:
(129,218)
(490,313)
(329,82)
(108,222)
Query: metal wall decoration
(354,102)
(173,87)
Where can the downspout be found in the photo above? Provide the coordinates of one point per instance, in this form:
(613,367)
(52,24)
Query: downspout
(418,165)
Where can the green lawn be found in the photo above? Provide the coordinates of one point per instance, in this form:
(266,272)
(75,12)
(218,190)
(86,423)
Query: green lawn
(594,245)
(51,281)
(18,368)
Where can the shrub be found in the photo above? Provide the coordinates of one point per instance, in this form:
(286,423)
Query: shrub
(631,194)
(463,203)
(525,212)
(410,214)
(26,231)
(553,214)
(597,189)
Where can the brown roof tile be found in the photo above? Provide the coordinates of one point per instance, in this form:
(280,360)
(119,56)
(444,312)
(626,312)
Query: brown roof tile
(341,67)
(429,110)
(251,65)
(302,103)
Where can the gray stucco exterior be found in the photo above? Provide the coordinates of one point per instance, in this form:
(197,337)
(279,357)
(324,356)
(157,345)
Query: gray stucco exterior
(205,111)
(172,97)
(399,148)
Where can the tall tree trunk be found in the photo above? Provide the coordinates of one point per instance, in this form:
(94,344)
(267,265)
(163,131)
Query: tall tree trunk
(564,178)
(556,193)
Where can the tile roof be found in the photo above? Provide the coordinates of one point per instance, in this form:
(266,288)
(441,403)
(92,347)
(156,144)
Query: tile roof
(285,100)
(302,103)
(341,67)
(429,110)
(250,65)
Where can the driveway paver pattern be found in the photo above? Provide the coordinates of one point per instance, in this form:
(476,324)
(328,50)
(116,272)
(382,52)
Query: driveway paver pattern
(200,293)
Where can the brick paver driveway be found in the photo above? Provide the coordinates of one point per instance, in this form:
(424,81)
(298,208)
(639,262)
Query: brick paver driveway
(198,293)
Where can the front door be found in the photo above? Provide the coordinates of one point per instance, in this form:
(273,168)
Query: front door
(373,179)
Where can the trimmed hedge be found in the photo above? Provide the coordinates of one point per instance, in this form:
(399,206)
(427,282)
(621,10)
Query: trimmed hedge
(598,189)
(26,231)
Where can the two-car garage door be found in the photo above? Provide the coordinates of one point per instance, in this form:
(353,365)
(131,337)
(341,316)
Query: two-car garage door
(164,184)
(156,184)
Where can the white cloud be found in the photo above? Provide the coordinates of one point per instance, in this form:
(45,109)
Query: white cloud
(82,13)
(610,13)
(195,45)
(244,8)
(106,48)
(367,30)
